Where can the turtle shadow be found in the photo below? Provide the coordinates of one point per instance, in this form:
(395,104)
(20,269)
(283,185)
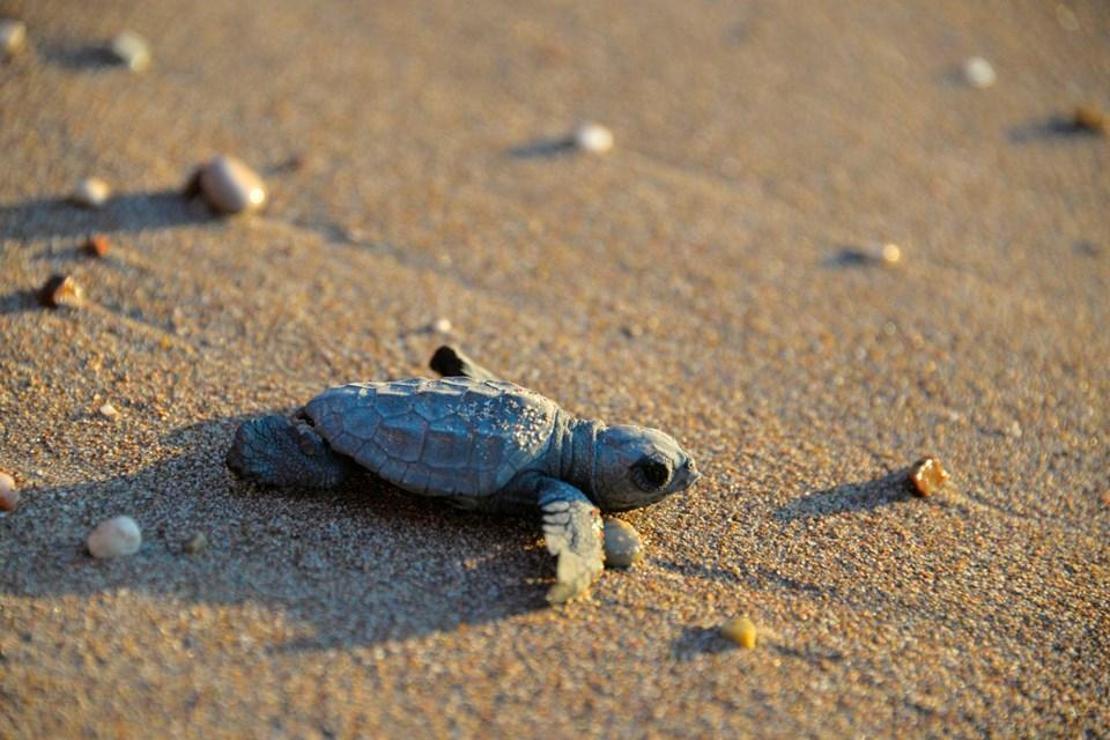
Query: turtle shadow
(868,495)
(357,565)
(39,218)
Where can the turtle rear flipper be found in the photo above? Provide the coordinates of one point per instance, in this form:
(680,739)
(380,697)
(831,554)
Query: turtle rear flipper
(275,451)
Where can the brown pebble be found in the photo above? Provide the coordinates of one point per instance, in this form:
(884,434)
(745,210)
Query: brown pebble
(9,494)
(1090,118)
(96,245)
(61,290)
(740,630)
(927,476)
(197,543)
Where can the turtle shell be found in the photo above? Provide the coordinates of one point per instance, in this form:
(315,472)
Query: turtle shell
(445,437)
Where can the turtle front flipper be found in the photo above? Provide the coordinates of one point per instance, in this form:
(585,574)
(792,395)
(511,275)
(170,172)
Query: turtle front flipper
(277,451)
(450,363)
(572,530)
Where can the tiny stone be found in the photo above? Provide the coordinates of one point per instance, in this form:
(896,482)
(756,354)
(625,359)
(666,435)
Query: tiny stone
(441,326)
(197,543)
(9,494)
(92,192)
(96,245)
(890,254)
(108,411)
(61,290)
(230,186)
(927,476)
(1090,118)
(979,72)
(1066,17)
(13,37)
(115,537)
(741,631)
(593,137)
(623,546)
(132,50)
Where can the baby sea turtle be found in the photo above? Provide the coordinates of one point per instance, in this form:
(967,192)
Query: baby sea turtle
(479,443)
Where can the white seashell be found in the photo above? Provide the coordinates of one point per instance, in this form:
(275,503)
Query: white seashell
(593,137)
(13,37)
(115,537)
(230,186)
(979,72)
(92,192)
(623,545)
(131,49)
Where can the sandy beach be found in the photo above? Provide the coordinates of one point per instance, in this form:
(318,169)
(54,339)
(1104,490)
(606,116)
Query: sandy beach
(710,276)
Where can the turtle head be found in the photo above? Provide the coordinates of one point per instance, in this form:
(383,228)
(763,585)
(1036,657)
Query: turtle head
(635,466)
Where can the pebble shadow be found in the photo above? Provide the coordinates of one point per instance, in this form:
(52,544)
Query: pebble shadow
(850,497)
(543,148)
(128,212)
(1059,128)
(353,566)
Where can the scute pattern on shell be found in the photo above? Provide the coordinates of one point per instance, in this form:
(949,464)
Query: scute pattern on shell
(445,437)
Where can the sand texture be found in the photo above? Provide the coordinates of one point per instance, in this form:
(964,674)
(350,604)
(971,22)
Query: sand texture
(692,279)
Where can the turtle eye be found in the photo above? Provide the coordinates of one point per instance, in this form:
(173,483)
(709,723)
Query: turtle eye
(650,474)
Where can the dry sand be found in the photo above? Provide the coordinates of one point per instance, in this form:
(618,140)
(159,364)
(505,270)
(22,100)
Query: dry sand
(685,280)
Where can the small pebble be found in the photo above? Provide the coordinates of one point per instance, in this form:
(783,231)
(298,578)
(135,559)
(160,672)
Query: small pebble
(108,411)
(131,50)
(114,537)
(441,326)
(61,291)
(9,494)
(979,73)
(741,631)
(593,137)
(197,543)
(927,476)
(92,192)
(96,245)
(230,186)
(1066,17)
(890,254)
(623,546)
(13,37)
(1090,118)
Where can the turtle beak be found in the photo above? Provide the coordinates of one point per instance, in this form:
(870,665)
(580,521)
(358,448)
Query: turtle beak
(692,475)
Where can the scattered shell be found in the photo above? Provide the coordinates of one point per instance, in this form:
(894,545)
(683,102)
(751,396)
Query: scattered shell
(230,186)
(197,543)
(593,137)
(979,73)
(13,37)
(131,49)
(740,630)
(96,245)
(442,326)
(1090,118)
(115,537)
(9,494)
(623,546)
(927,476)
(108,411)
(61,290)
(92,192)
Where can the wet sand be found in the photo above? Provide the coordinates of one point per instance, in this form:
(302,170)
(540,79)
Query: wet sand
(688,280)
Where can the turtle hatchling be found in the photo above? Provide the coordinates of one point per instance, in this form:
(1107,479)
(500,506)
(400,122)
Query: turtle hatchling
(479,443)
